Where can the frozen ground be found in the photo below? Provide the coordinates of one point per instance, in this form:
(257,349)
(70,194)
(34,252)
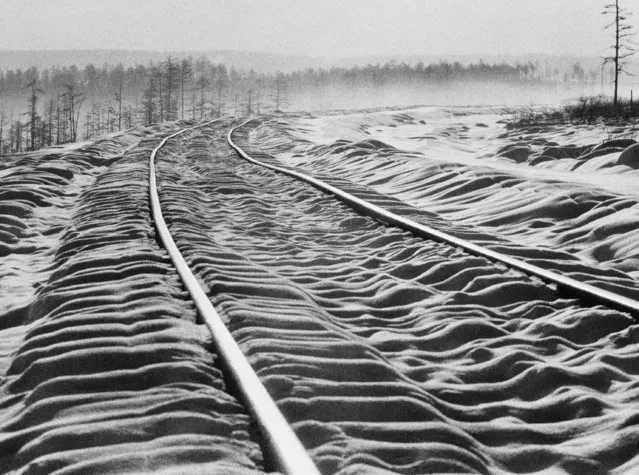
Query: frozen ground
(569,188)
(388,353)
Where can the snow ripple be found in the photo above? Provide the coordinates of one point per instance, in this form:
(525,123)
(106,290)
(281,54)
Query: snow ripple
(112,374)
(391,353)
(587,233)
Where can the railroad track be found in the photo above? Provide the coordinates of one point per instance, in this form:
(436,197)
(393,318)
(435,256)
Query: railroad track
(380,344)
(586,292)
(109,372)
(279,440)
(383,348)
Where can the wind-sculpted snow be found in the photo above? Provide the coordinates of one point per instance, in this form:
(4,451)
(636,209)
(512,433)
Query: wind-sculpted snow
(109,373)
(392,353)
(37,193)
(588,232)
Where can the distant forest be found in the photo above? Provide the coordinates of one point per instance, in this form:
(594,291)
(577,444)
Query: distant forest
(40,108)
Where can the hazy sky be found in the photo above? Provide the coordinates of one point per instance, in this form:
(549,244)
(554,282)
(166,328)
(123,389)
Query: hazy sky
(312,27)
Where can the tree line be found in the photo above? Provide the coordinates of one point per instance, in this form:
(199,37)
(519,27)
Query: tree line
(60,105)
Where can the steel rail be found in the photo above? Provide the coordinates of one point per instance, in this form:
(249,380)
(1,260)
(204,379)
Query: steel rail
(288,453)
(587,292)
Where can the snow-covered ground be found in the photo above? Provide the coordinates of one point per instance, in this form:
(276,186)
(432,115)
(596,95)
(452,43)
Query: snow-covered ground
(572,189)
(388,353)
(475,135)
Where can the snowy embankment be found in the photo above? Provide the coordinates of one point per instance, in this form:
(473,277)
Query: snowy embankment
(388,353)
(394,354)
(102,367)
(565,197)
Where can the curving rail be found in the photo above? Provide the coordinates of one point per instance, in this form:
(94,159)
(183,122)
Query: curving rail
(586,292)
(287,452)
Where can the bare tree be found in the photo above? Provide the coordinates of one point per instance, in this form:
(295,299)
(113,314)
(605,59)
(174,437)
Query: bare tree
(16,135)
(77,116)
(109,121)
(220,84)
(149,99)
(2,119)
(202,82)
(88,125)
(118,99)
(33,112)
(622,48)
(161,101)
(186,70)
(72,108)
(280,94)
(50,113)
(58,115)
(172,71)
(96,112)
(193,103)
(249,101)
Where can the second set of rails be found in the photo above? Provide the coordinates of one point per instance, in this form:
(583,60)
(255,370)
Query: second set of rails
(287,453)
